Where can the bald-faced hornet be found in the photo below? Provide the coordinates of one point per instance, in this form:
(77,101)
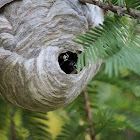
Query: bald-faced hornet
(68,62)
(66,57)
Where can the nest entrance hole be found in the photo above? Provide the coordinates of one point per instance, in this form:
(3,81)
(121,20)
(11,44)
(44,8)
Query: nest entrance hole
(68,62)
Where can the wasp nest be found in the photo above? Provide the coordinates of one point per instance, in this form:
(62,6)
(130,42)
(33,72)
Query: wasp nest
(38,60)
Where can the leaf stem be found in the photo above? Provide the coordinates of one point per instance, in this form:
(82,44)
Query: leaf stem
(89,115)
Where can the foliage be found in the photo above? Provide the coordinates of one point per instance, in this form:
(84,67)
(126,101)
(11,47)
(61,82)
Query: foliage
(115,107)
(36,124)
(4,120)
(115,43)
(129,3)
(114,93)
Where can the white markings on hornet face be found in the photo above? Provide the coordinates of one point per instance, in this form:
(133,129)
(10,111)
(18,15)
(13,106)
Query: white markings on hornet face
(66,57)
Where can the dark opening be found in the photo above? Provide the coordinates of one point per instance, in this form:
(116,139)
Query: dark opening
(68,62)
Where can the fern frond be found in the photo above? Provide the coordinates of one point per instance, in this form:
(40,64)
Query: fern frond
(106,120)
(129,3)
(133,4)
(114,43)
(72,130)
(36,123)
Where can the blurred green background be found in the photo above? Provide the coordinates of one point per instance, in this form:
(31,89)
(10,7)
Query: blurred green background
(114,105)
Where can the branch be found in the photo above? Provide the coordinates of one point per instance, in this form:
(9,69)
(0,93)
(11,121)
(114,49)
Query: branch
(89,115)
(115,9)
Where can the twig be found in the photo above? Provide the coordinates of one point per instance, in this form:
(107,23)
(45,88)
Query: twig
(89,115)
(115,9)
(13,131)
